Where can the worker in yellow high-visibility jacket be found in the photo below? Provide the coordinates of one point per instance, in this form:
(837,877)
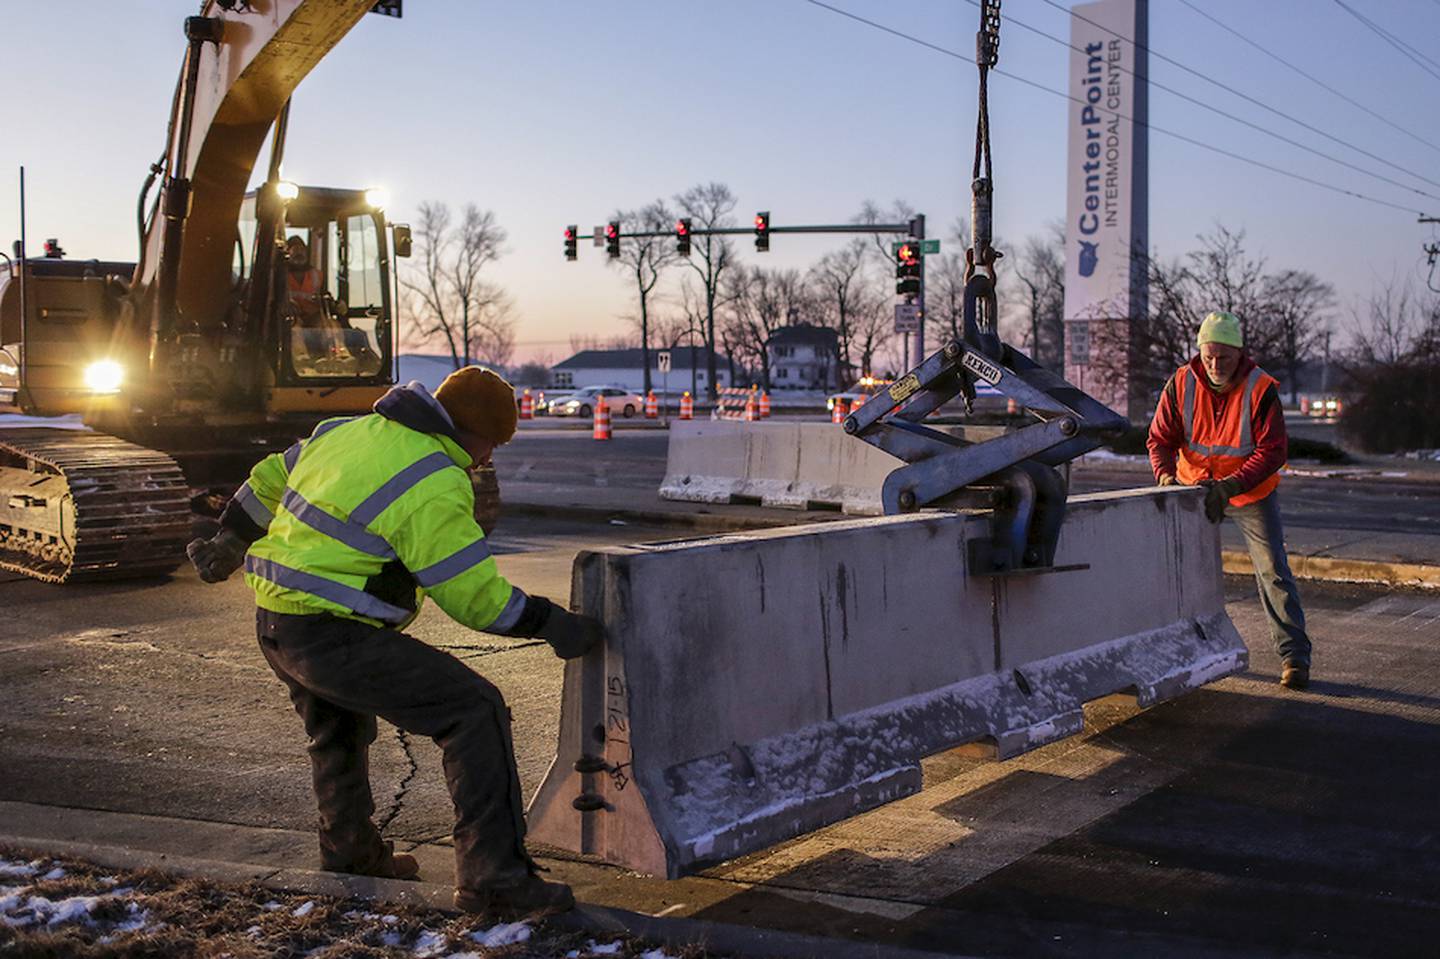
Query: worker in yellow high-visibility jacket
(341,538)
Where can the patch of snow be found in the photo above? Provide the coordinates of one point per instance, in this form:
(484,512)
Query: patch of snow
(272,906)
(71,421)
(429,944)
(17,870)
(609,949)
(253,932)
(304,909)
(391,938)
(56,873)
(73,909)
(656,954)
(464,955)
(503,934)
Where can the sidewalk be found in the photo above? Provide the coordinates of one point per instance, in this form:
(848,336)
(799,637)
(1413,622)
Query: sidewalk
(1329,551)
(611,904)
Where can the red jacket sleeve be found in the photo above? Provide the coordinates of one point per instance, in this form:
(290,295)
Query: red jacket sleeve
(1167,433)
(1271,444)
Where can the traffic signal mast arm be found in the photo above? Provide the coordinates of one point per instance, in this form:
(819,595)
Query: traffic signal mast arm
(902,229)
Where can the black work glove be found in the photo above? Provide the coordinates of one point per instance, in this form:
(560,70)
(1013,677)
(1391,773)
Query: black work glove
(1217,496)
(571,634)
(216,558)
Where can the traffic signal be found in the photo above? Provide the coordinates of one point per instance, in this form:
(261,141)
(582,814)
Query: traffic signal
(572,233)
(682,236)
(907,268)
(762,231)
(612,239)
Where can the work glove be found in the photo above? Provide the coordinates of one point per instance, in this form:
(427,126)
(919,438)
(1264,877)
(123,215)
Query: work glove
(1217,496)
(1166,479)
(216,558)
(571,634)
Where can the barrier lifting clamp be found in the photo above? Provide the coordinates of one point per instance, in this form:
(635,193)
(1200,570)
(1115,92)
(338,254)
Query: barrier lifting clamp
(1014,475)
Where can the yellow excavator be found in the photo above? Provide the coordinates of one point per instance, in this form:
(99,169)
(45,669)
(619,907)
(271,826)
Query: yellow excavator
(247,317)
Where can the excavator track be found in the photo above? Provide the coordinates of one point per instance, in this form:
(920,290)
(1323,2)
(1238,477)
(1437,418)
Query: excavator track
(79,506)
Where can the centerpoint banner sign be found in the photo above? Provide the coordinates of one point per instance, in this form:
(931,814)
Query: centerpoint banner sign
(1107,206)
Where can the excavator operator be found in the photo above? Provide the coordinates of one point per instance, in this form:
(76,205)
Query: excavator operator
(341,538)
(302,281)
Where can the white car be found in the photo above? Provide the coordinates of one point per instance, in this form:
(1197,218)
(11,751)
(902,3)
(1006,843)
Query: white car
(581,403)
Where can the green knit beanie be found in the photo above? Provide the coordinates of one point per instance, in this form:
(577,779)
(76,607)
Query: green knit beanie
(1221,328)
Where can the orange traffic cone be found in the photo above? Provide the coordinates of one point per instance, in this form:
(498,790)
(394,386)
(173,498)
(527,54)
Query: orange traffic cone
(652,407)
(602,419)
(839,411)
(687,407)
(527,406)
(752,412)
(764,406)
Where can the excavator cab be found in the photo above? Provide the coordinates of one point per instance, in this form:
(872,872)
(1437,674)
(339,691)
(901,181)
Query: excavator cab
(333,314)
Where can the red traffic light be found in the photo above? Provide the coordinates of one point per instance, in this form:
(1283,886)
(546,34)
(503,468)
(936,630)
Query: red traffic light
(761,222)
(612,230)
(908,254)
(569,234)
(682,227)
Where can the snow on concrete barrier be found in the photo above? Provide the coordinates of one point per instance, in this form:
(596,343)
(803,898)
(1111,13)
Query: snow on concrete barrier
(784,464)
(758,686)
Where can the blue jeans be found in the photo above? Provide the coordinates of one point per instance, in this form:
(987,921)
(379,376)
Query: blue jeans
(1260,522)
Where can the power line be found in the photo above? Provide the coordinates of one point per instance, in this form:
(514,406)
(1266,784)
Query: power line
(1244,96)
(1150,126)
(1311,77)
(1390,39)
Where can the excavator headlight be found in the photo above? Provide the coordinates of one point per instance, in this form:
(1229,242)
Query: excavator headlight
(104,376)
(377,197)
(286,190)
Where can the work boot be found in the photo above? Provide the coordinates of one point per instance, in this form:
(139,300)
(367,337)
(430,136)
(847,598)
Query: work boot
(1295,675)
(527,897)
(394,866)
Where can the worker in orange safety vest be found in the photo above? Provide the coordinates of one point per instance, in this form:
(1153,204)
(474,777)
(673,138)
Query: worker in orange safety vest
(1219,425)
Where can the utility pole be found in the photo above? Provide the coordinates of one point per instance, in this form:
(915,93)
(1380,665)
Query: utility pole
(1432,253)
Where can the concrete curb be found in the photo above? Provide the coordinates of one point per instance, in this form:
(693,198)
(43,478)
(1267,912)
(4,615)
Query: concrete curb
(673,932)
(1340,570)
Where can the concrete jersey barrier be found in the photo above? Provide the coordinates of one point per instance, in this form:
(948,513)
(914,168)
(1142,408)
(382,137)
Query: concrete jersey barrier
(791,465)
(758,686)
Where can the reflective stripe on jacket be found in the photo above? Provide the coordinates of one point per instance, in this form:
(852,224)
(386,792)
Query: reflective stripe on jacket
(1217,442)
(364,519)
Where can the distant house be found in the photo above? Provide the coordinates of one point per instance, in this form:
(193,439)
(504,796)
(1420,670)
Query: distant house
(804,357)
(429,369)
(625,368)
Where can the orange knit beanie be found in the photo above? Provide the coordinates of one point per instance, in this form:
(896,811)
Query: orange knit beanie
(480,402)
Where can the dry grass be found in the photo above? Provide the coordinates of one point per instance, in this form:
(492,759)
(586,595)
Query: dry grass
(153,914)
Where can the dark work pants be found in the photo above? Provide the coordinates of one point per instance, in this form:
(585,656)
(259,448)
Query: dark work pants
(1260,522)
(341,675)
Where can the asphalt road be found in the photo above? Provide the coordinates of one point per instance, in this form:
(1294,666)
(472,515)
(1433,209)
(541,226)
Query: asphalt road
(635,459)
(1239,820)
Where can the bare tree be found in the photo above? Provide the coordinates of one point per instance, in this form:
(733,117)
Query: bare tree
(709,206)
(1394,371)
(643,258)
(1299,305)
(1040,270)
(844,284)
(450,300)
(759,302)
(1273,309)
